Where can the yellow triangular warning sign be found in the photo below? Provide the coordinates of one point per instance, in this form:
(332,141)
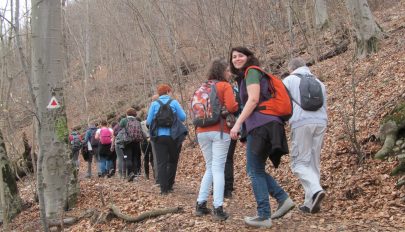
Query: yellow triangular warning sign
(53,103)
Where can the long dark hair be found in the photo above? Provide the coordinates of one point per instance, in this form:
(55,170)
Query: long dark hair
(251,60)
(217,69)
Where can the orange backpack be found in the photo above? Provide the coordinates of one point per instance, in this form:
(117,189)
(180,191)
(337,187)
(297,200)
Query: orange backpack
(279,104)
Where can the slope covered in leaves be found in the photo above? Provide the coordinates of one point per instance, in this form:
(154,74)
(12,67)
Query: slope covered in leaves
(359,197)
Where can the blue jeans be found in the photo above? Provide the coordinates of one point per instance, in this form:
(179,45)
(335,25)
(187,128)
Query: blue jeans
(263,184)
(104,165)
(215,151)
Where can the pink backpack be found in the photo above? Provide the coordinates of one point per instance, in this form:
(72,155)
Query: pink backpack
(105,135)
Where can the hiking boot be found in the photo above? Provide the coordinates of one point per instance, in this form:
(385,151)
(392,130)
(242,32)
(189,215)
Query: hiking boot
(110,173)
(131,177)
(228,194)
(220,214)
(283,208)
(201,209)
(316,201)
(304,209)
(257,221)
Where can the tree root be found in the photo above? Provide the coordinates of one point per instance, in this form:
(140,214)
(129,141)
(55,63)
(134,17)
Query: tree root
(400,169)
(400,183)
(388,130)
(146,215)
(72,220)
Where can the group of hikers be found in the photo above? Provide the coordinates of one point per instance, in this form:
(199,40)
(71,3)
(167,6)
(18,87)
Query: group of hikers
(238,101)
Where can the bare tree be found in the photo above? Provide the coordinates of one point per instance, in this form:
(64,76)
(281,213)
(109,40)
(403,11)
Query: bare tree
(321,14)
(367,30)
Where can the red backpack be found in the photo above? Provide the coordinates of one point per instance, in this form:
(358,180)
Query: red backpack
(279,104)
(105,135)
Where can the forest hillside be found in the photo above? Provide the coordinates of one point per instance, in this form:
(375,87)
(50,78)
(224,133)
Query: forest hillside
(127,65)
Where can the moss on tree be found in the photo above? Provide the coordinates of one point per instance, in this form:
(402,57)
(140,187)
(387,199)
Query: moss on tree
(62,131)
(397,115)
(391,125)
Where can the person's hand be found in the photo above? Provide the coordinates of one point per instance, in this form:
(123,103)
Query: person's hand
(235,131)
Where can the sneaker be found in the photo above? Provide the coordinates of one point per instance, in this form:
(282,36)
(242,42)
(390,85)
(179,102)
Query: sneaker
(220,214)
(316,201)
(201,209)
(283,208)
(131,177)
(304,209)
(257,221)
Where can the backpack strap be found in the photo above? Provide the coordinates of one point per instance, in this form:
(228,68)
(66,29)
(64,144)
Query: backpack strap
(254,67)
(299,75)
(167,103)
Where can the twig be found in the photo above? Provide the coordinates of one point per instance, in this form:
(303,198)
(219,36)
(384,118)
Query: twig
(101,195)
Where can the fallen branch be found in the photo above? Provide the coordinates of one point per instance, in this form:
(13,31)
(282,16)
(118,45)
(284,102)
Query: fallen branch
(339,49)
(146,215)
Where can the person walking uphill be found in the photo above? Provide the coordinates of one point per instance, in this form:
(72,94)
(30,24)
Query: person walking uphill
(308,126)
(132,150)
(92,147)
(76,144)
(265,134)
(213,134)
(104,136)
(163,114)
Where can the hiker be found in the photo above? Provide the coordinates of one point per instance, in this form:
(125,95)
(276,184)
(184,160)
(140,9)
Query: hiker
(154,98)
(308,127)
(263,131)
(119,147)
(113,156)
(231,119)
(92,147)
(147,151)
(76,144)
(213,134)
(163,114)
(132,150)
(104,136)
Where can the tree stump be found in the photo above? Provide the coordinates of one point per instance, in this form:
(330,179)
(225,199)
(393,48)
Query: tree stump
(10,198)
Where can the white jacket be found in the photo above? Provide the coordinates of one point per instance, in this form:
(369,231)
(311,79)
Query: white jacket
(302,117)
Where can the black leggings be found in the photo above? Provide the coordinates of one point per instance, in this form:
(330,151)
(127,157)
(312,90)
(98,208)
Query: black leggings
(229,166)
(132,151)
(148,156)
(167,156)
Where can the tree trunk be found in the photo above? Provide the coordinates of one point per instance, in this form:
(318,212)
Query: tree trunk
(10,199)
(54,165)
(321,14)
(367,30)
